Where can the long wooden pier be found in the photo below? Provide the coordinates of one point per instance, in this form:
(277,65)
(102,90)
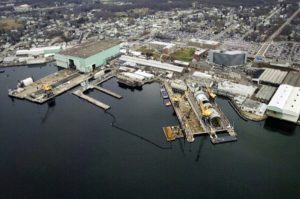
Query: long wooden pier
(80,94)
(109,92)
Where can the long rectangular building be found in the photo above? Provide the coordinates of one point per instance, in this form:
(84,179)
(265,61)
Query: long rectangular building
(88,56)
(152,63)
(272,76)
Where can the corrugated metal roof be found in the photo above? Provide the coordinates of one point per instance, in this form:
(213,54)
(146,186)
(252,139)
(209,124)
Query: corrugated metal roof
(273,76)
(152,63)
(265,93)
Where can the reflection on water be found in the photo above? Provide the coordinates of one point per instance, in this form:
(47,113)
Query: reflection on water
(280,126)
(50,108)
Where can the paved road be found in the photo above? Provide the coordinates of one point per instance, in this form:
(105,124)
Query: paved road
(288,21)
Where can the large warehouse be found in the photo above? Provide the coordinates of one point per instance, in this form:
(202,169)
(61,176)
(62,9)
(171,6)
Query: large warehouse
(272,77)
(207,44)
(285,104)
(88,56)
(151,63)
(227,58)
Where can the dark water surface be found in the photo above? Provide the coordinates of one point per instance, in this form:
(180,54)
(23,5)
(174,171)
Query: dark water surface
(70,150)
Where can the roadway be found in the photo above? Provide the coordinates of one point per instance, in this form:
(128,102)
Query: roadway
(268,42)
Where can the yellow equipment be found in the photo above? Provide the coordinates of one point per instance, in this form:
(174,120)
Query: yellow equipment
(47,87)
(176,101)
(205,110)
(210,92)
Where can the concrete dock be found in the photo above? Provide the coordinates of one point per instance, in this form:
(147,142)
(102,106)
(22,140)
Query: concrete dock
(108,92)
(60,82)
(80,94)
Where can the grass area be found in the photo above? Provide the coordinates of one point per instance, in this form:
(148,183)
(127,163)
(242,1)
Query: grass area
(9,24)
(183,54)
(152,52)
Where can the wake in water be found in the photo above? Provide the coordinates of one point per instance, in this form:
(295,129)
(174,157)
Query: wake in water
(113,124)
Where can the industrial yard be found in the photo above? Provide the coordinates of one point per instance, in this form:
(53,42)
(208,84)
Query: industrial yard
(192,70)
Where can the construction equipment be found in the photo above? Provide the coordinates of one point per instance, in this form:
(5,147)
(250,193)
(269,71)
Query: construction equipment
(48,90)
(47,87)
(211,94)
(205,109)
(176,101)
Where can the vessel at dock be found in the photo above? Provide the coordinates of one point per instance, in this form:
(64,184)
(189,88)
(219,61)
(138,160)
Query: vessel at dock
(164,93)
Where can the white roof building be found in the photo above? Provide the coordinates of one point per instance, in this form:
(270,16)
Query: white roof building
(285,104)
(152,63)
(230,88)
(144,74)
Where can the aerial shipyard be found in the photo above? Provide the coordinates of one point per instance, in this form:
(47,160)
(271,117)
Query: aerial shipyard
(197,55)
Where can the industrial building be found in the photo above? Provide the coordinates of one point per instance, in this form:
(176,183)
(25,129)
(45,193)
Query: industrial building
(200,75)
(23,8)
(272,77)
(42,51)
(88,56)
(152,63)
(200,43)
(227,58)
(231,89)
(285,104)
(179,86)
(265,93)
(165,47)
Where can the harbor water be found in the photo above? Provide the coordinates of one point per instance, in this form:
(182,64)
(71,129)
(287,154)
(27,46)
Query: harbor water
(72,149)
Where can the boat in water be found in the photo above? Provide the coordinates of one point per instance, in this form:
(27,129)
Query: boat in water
(168,103)
(2,71)
(164,93)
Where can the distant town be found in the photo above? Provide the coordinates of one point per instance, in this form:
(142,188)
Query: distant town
(248,54)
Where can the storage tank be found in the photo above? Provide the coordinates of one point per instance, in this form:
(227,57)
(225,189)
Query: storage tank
(26,82)
(200,96)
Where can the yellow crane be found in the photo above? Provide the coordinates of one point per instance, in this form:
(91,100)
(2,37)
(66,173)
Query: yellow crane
(47,87)
(205,110)
(211,94)
(48,90)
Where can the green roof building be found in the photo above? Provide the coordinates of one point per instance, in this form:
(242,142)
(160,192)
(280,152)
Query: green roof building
(88,56)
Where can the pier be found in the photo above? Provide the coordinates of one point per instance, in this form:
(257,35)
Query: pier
(80,94)
(109,92)
(50,86)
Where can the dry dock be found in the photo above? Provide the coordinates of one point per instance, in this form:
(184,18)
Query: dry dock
(187,118)
(194,123)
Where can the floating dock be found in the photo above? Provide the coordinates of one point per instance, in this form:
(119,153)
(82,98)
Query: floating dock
(80,94)
(223,139)
(194,123)
(57,83)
